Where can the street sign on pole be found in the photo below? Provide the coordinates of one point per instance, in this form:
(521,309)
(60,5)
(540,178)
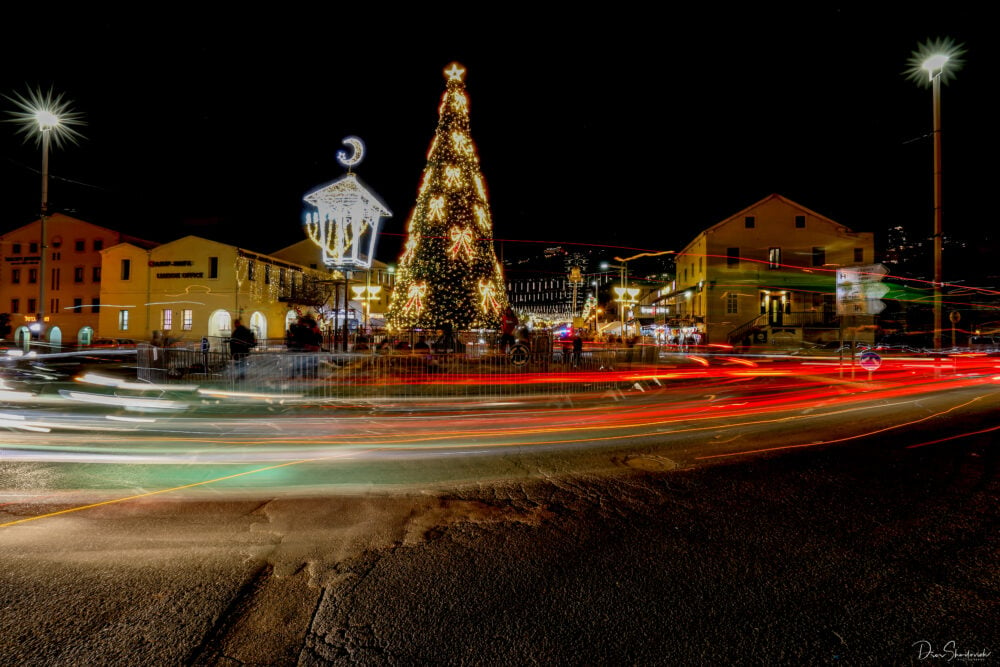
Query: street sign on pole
(869,360)
(860,290)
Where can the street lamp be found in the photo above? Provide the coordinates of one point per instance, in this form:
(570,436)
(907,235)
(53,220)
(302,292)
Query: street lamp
(48,119)
(620,290)
(366,294)
(932,64)
(345,224)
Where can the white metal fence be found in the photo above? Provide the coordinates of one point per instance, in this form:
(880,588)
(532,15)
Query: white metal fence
(483,370)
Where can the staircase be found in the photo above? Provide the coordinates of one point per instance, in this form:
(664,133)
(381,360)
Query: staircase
(736,335)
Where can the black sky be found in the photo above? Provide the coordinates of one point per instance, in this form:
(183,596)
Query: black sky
(625,129)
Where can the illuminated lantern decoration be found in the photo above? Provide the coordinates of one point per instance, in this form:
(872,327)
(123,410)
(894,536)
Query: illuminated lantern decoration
(448,272)
(346,219)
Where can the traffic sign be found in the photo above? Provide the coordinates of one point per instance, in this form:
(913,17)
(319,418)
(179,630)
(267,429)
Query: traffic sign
(860,290)
(869,360)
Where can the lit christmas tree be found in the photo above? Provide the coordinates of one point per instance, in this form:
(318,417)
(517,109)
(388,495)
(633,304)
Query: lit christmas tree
(448,271)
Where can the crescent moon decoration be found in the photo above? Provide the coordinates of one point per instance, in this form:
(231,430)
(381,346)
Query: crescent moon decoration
(358,152)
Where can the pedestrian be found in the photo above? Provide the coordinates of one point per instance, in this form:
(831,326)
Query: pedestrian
(309,339)
(241,341)
(293,338)
(507,329)
(567,347)
(577,348)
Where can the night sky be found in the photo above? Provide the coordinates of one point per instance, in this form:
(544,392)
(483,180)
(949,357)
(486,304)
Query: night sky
(628,129)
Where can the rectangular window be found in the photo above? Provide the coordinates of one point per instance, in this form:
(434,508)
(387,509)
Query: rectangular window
(16,249)
(123,320)
(80,245)
(251,269)
(32,276)
(56,276)
(54,305)
(267,274)
(800,222)
(281,278)
(774,258)
(732,257)
(78,274)
(699,265)
(96,275)
(859,255)
(166,319)
(15,305)
(95,305)
(819,256)
(749,222)
(98,245)
(33,248)
(126,269)
(732,303)
(32,306)
(77,305)
(15,276)
(213,267)
(187,319)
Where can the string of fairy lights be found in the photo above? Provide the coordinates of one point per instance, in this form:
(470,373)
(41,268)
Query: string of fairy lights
(448,271)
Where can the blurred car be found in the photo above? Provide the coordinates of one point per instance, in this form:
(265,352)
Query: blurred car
(987,343)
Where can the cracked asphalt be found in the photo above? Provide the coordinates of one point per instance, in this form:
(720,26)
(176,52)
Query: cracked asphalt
(855,554)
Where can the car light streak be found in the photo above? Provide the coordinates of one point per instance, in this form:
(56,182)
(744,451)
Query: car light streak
(936,415)
(128,402)
(106,381)
(666,403)
(967,434)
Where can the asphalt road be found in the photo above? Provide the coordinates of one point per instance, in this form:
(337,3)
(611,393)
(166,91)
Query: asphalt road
(863,552)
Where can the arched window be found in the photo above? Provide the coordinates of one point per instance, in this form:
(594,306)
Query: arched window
(220,323)
(258,325)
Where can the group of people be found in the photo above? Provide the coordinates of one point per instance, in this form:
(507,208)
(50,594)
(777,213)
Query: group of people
(304,335)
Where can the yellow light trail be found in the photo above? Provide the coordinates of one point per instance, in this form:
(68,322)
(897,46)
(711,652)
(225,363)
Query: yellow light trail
(155,493)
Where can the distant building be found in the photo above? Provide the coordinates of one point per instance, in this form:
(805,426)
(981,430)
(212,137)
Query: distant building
(73,275)
(766,274)
(541,289)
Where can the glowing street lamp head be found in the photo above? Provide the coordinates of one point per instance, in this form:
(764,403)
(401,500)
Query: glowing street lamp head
(46,115)
(935,63)
(939,58)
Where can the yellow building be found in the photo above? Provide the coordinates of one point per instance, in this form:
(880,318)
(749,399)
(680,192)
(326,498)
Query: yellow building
(764,275)
(71,295)
(194,287)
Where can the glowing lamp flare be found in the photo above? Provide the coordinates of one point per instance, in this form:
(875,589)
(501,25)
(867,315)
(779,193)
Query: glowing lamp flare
(936,59)
(46,115)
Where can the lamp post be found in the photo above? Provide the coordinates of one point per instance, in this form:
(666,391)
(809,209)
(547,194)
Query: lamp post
(48,118)
(345,224)
(936,60)
(366,294)
(620,291)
